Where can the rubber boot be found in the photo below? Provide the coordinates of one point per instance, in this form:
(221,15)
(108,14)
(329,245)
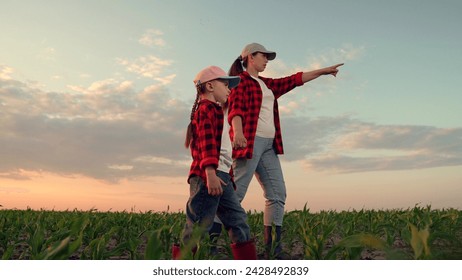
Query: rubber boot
(176,252)
(278,247)
(244,250)
(214,234)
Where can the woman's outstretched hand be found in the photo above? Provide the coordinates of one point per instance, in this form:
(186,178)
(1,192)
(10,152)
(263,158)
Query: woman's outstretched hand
(332,70)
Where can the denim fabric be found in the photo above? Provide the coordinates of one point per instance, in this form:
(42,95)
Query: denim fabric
(201,208)
(267,168)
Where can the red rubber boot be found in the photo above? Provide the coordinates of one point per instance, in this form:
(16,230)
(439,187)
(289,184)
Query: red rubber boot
(176,252)
(244,250)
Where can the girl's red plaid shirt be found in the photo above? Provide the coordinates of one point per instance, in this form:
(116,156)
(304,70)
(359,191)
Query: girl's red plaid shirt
(207,129)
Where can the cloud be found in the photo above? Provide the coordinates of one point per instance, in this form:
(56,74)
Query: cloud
(100,131)
(342,144)
(149,67)
(316,88)
(110,130)
(5,72)
(347,52)
(289,107)
(19,175)
(152,37)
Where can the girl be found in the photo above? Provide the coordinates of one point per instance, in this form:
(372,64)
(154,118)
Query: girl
(211,187)
(256,131)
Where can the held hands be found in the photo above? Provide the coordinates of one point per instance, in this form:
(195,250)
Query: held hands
(332,70)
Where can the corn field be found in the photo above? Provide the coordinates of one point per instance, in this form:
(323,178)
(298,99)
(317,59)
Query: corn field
(414,233)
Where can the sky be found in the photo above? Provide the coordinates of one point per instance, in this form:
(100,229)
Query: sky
(95,98)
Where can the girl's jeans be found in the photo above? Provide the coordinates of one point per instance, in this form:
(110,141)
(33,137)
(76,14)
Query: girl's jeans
(267,168)
(201,208)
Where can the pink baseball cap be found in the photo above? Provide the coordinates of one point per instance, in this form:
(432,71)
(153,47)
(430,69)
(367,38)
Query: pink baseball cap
(213,73)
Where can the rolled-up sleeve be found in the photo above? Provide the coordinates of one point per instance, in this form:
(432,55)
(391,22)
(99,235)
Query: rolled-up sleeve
(236,103)
(207,141)
(281,86)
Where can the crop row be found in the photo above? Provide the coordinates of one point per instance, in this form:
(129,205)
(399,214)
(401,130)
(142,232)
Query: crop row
(414,233)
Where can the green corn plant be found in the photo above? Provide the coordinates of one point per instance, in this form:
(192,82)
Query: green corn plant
(419,242)
(66,247)
(413,233)
(154,246)
(353,245)
(194,248)
(314,232)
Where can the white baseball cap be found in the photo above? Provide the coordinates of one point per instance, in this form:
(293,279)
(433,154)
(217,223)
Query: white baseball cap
(255,47)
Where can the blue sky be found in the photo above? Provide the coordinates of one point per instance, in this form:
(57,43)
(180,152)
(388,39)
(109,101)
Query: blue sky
(100,92)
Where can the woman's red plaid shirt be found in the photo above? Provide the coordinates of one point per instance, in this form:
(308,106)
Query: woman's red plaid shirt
(245,101)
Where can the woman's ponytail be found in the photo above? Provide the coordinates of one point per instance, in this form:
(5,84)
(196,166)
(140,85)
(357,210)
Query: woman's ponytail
(236,68)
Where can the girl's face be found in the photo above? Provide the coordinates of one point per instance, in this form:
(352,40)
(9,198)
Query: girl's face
(221,90)
(259,61)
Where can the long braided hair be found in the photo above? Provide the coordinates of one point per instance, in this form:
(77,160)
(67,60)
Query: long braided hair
(189,133)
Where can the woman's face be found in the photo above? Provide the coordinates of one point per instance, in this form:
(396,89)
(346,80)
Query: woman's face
(259,61)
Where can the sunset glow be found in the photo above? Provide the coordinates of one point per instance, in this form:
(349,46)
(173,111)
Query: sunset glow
(95,100)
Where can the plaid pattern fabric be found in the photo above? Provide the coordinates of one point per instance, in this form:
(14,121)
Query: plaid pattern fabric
(207,127)
(245,101)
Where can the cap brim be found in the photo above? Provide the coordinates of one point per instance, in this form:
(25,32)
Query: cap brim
(233,81)
(271,55)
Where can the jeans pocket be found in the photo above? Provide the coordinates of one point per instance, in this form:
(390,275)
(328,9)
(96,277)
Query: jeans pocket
(225,177)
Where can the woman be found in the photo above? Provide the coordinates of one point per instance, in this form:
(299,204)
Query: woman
(256,132)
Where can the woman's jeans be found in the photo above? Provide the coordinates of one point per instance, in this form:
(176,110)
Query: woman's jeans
(201,208)
(267,168)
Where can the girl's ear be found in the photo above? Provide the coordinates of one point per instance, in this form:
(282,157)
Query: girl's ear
(209,86)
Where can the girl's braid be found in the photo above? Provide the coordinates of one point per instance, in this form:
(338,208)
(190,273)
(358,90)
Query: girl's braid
(189,132)
(194,107)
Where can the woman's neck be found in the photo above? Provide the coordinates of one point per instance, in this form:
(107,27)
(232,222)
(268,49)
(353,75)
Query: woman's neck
(252,72)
